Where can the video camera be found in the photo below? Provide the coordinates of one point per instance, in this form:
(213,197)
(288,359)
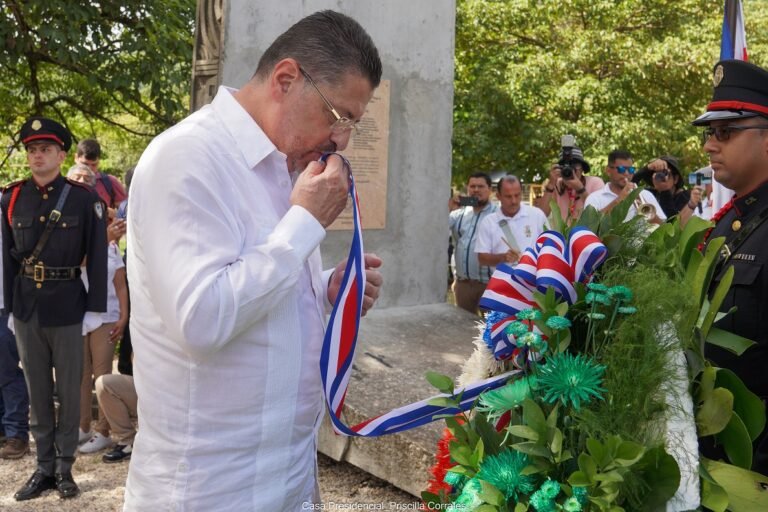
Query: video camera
(568,142)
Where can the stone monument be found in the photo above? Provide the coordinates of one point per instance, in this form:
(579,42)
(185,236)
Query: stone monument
(412,329)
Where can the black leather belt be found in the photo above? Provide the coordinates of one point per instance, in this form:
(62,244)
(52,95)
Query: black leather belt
(40,273)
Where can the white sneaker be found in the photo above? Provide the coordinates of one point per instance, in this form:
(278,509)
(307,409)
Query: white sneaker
(97,443)
(83,436)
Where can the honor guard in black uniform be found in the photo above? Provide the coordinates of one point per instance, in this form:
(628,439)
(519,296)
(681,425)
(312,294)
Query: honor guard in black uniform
(50,226)
(736,139)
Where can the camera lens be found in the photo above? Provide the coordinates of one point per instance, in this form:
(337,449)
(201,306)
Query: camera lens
(566,172)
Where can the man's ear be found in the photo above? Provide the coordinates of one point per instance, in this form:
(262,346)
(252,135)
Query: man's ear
(284,77)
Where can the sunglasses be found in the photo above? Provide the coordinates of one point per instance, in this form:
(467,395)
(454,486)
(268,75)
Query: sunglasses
(723,133)
(623,169)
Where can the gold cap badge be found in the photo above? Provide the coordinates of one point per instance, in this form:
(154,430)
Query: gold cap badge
(36,124)
(718,75)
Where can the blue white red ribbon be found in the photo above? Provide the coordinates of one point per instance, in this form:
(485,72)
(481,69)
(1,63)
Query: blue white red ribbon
(338,352)
(550,263)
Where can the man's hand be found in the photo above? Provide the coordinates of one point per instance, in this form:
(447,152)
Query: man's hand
(322,189)
(628,188)
(453,203)
(511,256)
(116,230)
(373,281)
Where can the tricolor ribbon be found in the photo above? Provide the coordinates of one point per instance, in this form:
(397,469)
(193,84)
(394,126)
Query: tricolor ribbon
(338,352)
(550,263)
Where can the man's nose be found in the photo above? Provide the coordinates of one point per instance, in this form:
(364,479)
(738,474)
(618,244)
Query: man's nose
(341,139)
(711,145)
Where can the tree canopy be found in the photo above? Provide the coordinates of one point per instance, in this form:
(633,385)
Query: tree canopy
(123,66)
(630,74)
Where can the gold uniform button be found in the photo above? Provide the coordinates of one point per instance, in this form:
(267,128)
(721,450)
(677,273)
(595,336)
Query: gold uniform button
(64,224)
(39,285)
(42,218)
(736,225)
(45,196)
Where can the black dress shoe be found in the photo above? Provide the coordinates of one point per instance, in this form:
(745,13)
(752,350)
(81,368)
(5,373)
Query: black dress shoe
(35,486)
(119,453)
(66,485)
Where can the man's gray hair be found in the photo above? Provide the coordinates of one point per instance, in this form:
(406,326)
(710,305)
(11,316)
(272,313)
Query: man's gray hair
(80,167)
(328,45)
(509,178)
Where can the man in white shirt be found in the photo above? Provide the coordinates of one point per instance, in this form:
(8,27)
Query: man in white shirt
(464,221)
(507,232)
(228,209)
(620,169)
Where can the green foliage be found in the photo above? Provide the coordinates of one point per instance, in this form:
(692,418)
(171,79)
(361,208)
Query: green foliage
(117,70)
(629,74)
(734,488)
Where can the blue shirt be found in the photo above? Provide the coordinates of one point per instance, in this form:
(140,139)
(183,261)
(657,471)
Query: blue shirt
(464,224)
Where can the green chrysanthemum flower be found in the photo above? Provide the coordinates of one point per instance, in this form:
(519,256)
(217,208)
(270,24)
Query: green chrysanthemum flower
(498,401)
(516,329)
(541,503)
(558,323)
(620,292)
(596,316)
(550,489)
(627,310)
(454,479)
(470,498)
(503,472)
(597,287)
(540,345)
(572,505)
(598,298)
(529,314)
(580,493)
(572,380)
(529,339)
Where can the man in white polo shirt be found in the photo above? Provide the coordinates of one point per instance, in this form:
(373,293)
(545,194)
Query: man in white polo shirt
(620,169)
(505,234)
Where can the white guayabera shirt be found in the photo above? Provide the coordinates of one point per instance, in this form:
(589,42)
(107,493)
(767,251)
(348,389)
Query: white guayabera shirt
(228,304)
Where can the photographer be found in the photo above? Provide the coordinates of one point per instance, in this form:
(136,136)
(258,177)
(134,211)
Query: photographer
(567,184)
(665,182)
(465,216)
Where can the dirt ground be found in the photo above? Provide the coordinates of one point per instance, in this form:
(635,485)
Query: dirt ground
(102,487)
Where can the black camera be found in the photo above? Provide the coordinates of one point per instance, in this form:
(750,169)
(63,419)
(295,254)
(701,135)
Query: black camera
(566,162)
(468,201)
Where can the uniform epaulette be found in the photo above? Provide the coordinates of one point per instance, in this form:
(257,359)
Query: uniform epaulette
(13,184)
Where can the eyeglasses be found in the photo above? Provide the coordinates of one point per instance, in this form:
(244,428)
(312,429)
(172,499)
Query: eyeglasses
(341,124)
(622,169)
(723,133)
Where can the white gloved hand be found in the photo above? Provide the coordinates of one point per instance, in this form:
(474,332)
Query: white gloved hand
(91,322)
(10,324)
